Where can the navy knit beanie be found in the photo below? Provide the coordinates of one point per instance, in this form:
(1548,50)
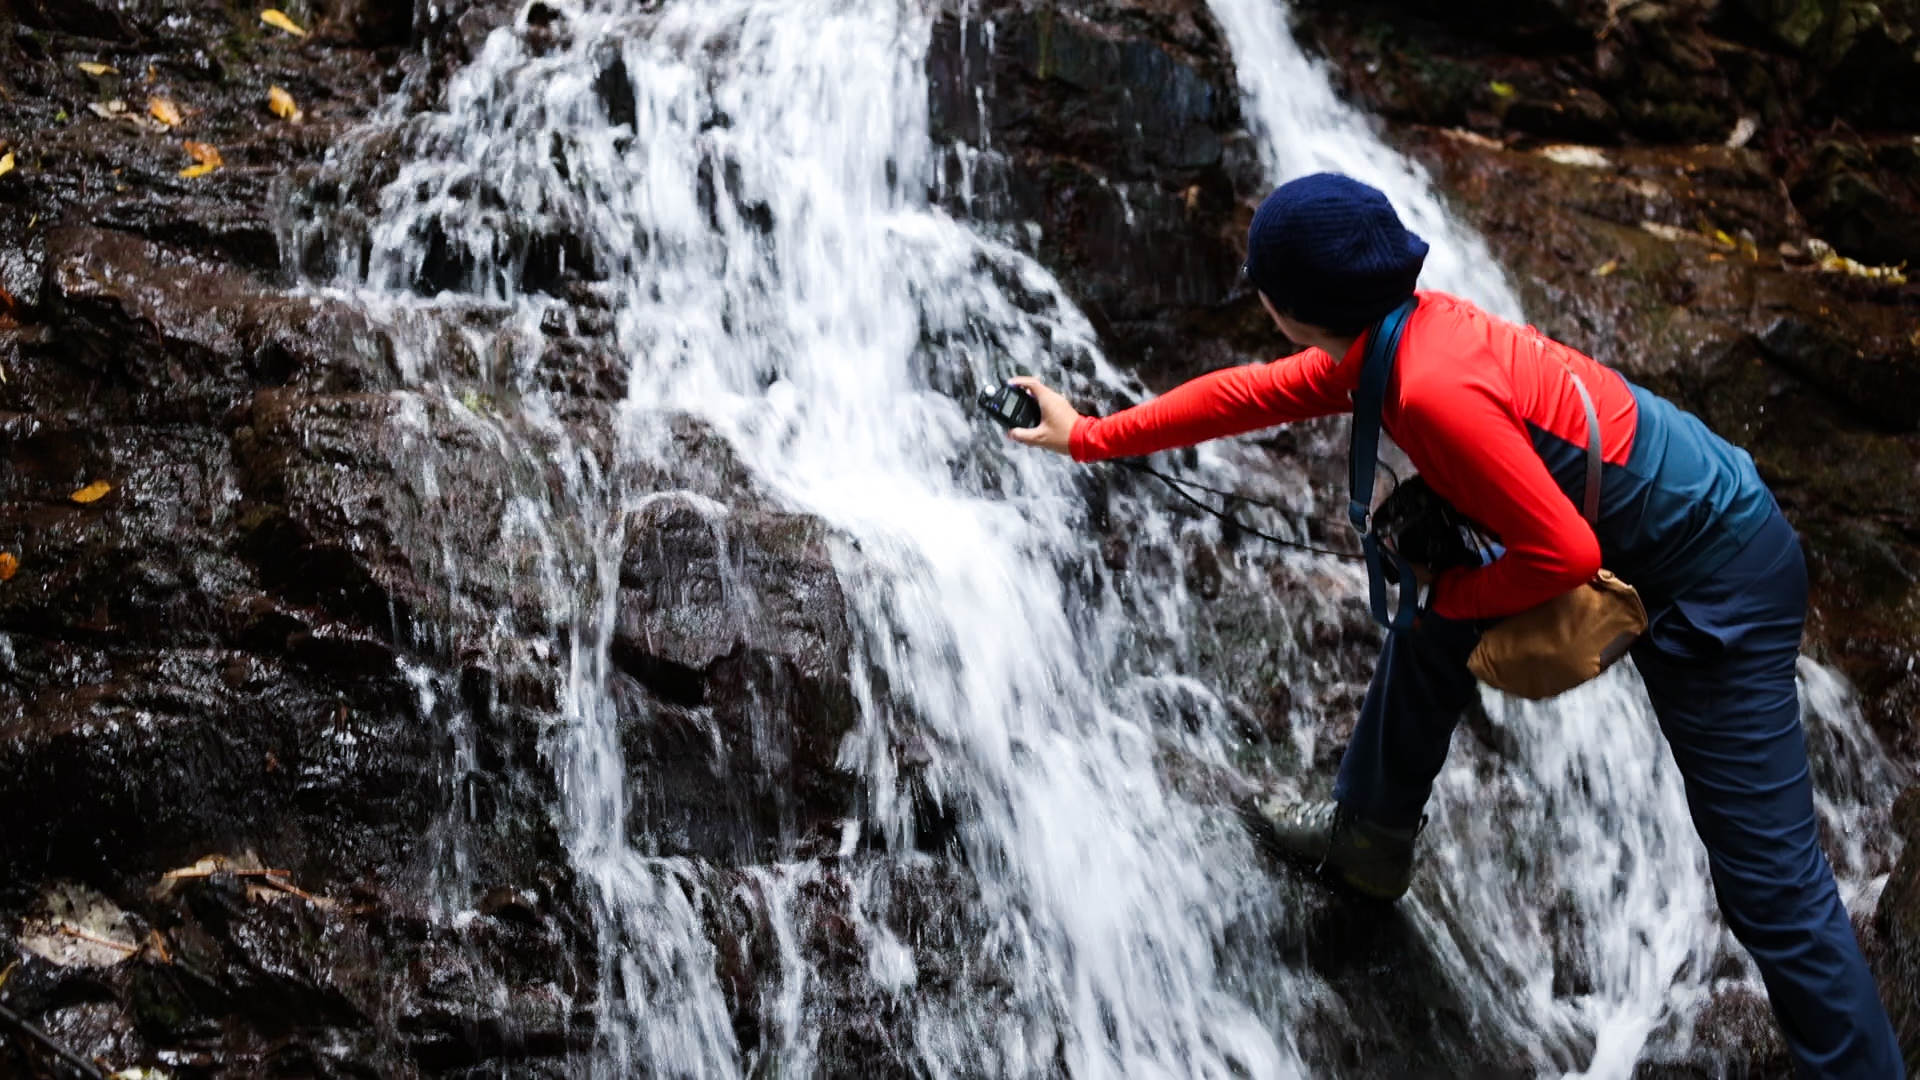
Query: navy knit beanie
(1329,250)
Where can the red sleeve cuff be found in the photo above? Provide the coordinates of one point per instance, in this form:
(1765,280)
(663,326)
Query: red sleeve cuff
(1077,440)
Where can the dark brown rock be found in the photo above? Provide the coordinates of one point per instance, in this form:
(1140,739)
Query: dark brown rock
(1897,926)
(1115,128)
(220,655)
(735,624)
(1863,197)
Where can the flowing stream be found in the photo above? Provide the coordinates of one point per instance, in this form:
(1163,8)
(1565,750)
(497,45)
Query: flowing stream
(741,190)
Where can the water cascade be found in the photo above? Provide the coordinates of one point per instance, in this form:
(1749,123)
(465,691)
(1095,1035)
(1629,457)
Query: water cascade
(732,198)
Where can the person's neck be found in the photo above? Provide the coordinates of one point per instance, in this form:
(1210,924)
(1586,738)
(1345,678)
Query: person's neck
(1335,347)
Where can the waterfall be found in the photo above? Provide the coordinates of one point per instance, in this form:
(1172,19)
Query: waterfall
(737,194)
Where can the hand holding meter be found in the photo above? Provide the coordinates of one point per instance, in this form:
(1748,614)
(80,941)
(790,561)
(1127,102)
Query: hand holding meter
(1011,406)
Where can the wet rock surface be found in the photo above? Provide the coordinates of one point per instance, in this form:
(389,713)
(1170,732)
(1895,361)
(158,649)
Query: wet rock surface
(1115,128)
(262,641)
(263,638)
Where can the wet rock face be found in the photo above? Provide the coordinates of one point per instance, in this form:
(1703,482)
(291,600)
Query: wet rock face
(1757,74)
(1897,928)
(262,639)
(735,621)
(1115,128)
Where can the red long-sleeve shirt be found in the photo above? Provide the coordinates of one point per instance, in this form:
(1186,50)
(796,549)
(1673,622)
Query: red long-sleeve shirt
(1470,394)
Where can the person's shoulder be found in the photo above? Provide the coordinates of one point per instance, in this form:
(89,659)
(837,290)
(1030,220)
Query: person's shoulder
(1446,334)
(1449,355)
(1446,306)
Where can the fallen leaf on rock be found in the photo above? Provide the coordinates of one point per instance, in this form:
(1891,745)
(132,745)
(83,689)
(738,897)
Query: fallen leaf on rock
(91,493)
(6,163)
(266,885)
(283,105)
(206,868)
(1585,157)
(107,110)
(78,927)
(1501,89)
(1840,264)
(1832,262)
(96,69)
(206,158)
(277,19)
(1672,234)
(164,111)
(9,565)
(1474,138)
(1742,133)
(1605,269)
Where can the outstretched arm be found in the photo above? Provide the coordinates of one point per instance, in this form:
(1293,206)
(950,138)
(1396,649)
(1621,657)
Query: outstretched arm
(1225,402)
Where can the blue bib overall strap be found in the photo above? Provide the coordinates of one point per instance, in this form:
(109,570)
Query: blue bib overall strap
(1363,454)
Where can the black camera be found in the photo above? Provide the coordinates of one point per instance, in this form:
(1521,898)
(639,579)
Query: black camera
(1425,528)
(1010,406)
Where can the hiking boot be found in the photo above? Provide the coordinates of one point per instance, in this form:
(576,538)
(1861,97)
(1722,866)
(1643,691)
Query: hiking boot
(1370,859)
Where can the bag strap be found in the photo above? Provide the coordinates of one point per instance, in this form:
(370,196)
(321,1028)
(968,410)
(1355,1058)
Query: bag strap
(1363,454)
(1591,506)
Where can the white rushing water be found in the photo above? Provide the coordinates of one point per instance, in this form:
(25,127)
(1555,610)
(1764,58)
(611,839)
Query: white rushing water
(748,182)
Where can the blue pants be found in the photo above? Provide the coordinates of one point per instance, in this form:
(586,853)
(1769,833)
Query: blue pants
(1718,661)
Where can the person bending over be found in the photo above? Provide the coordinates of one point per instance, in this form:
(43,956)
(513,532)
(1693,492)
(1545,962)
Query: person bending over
(1490,414)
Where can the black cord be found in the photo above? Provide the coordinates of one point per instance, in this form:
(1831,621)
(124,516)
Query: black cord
(1180,487)
(1234,496)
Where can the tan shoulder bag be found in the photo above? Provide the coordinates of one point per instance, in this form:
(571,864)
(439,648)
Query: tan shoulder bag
(1550,649)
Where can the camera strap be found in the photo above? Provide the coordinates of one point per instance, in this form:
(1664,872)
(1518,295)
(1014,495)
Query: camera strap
(1590,501)
(1363,453)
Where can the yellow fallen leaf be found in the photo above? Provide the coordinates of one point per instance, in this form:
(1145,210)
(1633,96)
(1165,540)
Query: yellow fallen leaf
(1725,240)
(91,493)
(1606,268)
(277,19)
(283,105)
(7,973)
(164,111)
(95,69)
(1501,89)
(206,158)
(9,566)
(6,163)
